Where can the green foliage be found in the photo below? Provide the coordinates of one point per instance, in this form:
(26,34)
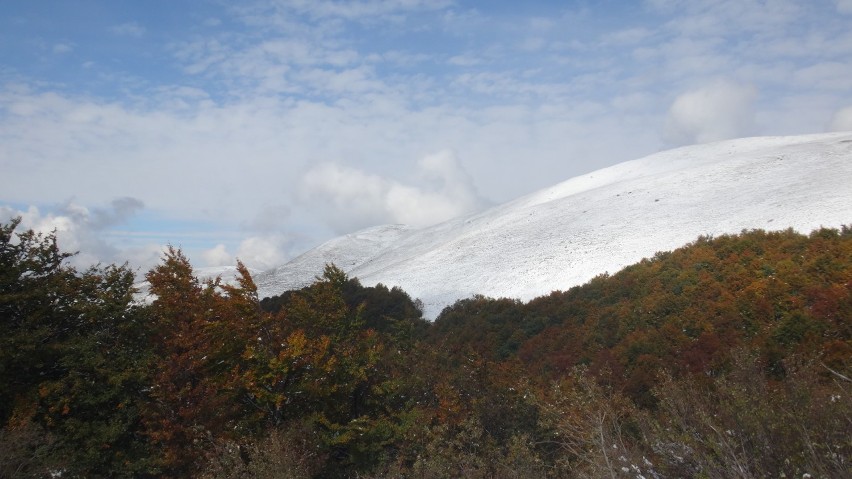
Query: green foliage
(488,327)
(73,361)
(385,310)
(95,405)
(33,287)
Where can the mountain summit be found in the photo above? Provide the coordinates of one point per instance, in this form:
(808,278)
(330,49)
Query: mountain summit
(564,235)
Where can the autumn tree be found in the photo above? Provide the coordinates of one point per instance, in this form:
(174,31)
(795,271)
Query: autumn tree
(193,403)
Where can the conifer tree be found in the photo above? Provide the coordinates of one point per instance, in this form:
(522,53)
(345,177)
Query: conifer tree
(73,363)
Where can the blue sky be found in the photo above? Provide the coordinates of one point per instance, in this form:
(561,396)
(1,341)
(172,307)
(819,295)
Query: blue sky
(258,129)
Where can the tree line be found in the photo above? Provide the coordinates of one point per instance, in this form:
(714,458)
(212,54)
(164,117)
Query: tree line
(729,357)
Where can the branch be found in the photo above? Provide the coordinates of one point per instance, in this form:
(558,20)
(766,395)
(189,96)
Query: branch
(836,373)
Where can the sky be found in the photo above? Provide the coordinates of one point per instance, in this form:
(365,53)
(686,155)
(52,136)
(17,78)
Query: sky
(259,129)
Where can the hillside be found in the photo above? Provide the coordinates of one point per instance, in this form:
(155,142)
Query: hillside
(346,252)
(564,235)
(774,294)
(728,355)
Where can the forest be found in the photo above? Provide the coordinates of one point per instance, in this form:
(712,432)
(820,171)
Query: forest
(728,357)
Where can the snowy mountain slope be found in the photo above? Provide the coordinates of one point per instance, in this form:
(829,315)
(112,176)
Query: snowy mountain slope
(346,252)
(564,235)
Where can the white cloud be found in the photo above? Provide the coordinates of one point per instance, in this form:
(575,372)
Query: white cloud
(264,252)
(367,86)
(92,234)
(364,10)
(347,197)
(464,60)
(60,48)
(719,111)
(83,230)
(217,256)
(142,257)
(842,120)
(714,18)
(91,150)
(532,44)
(267,218)
(844,6)
(627,37)
(353,199)
(129,29)
(31,218)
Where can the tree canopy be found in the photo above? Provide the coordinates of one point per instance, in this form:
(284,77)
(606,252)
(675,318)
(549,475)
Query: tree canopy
(729,356)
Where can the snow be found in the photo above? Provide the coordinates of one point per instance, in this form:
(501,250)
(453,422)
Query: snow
(565,235)
(346,252)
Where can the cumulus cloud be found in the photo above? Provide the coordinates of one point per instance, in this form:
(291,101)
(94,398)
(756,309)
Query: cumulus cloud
(257,252)
(842,120)
(84,230)
(217,256)
(91,233)
(264,252)
(351,199)
(719,111)
(447,191)
(283,83)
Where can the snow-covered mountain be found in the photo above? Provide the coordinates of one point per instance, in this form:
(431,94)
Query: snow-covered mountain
(346,252)
(564,235)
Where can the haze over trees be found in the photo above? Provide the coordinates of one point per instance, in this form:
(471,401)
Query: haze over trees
(728,357)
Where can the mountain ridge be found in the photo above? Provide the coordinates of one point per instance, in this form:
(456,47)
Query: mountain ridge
(564,235)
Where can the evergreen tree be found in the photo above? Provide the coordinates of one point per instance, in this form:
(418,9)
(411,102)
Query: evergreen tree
(73,363)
